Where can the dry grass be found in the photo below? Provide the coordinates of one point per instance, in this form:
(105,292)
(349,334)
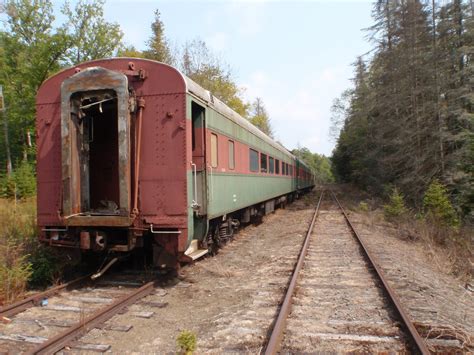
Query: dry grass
(17,238)
(450,249)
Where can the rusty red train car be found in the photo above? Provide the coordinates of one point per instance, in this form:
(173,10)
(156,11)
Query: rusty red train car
(132,155)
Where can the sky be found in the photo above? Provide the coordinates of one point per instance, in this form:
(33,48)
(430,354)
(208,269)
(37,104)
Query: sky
(295,55)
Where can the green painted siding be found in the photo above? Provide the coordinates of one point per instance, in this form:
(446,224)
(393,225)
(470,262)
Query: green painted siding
(228,192)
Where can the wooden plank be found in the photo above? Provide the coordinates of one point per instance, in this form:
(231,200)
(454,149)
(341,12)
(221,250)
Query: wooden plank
(64,308)
(100,348)
(142,314)
(353,337)
(445,343)
(91,299)
(154,304)
(63,324)
(116,328)
(23,338)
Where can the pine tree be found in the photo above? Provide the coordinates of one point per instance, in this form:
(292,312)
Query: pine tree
(260,117)
(158,47)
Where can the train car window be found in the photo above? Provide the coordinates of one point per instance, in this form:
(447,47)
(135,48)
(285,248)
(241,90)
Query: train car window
(277,166)
(253,158)
(263,163)
(214,147)
(231,155)
(291,170)
(271,165)
(197,116)
(283,168)
(287,169)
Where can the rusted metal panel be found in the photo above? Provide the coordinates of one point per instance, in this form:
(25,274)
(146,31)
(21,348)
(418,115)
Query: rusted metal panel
(98,221)
(164,166)
(164,159)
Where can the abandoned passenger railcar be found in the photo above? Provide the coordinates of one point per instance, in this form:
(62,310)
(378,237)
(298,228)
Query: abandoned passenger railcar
(132,154)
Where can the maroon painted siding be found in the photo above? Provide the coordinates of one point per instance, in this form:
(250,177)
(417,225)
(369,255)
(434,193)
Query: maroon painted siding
(162,186)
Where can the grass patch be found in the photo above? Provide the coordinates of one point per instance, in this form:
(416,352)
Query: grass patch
(23,261)
(17,233)
(186,342)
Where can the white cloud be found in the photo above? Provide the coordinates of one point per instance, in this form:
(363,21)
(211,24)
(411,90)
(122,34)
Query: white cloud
(300,115)
(218,41)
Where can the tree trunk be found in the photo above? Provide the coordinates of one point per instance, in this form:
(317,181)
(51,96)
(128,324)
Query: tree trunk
(7,143)
(437,89)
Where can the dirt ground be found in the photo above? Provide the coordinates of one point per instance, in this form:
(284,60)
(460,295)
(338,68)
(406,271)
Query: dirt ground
(229,301)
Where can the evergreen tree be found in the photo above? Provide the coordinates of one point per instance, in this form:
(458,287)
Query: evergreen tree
(259,117)
(158,48)
(409,118)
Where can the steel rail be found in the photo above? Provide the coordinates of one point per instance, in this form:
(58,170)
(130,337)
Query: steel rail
(31,301)
(61,340)
(274,342)
(418,341)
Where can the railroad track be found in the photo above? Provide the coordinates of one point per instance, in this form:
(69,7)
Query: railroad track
(73,309)
(338,299)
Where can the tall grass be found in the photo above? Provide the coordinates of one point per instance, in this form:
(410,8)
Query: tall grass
(17,242)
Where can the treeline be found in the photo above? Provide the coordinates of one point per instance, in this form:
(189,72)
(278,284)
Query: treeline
(32,49)
(318,163)
(409,119)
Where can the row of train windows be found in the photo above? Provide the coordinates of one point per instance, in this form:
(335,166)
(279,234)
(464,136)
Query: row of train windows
(268,164)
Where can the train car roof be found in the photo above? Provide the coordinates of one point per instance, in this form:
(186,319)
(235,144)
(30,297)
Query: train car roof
(205,95)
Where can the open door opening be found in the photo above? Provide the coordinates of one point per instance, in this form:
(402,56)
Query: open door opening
(98,153)
(95,148)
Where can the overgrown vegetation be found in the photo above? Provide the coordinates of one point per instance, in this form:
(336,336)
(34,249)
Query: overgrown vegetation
(396,206)
(449,248)
(20,184)
(437,226)
(409,119)
(437,207)
(186,342)
(23,262)
(17,231)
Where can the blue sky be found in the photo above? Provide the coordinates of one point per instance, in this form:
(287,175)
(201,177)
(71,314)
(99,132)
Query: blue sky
(295,55)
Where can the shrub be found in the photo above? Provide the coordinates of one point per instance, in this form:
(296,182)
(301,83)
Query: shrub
(396,206)
(21,184)
(186,342)
(45,267)
(437,206)
(363,206)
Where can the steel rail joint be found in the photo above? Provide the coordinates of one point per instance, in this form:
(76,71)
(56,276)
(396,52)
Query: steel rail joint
(273,345)
(416,337)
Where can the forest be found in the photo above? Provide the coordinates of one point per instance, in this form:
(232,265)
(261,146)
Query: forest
(408,120)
